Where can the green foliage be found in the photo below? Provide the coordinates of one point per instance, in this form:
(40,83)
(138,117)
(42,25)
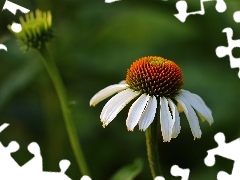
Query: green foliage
(129,172)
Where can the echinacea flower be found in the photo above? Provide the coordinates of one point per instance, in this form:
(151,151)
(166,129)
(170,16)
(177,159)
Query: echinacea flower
(154,81)
(36,29)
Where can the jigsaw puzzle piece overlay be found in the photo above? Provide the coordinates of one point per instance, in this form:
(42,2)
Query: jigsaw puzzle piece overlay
(236,16)
(85,178)
(222,51)
(227,150)
(6,160)
(3,126)
(3,47)
(12,7)
(33,169)
(182,6)
(159,178)
(35,164)
(64,165)
(177,171)
(7,163)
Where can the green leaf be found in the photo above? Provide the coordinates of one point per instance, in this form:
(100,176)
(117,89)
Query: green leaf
(129,172)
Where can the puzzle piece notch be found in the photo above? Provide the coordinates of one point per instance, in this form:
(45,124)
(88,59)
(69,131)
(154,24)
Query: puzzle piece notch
(6,160)
(221,6)
(227,150)
(3,47)
(64,165)
(7,163)
(39,175)
(177,171)
(222,51)
(210,159)
(35,164)
(33,169)
(5,152)
(3,126)
(182,6)
(16,27)
(159,178)
(236,16)
(85,178)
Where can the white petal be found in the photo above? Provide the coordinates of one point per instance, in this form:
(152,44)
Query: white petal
(115,105)
(136,111)
(191,116)
(122,82)
(165,120)
(176,126)
(148,114)
(106,92)
(198,104)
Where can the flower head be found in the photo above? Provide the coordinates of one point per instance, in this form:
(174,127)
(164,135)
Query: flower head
(36,29)
(155,76)
(154,81)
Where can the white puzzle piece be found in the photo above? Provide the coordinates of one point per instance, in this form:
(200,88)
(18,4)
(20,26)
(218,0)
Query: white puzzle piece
(222,51)
(33,169)
(227,150)
(182,9)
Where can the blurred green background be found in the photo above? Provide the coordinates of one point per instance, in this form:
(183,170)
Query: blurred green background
(95,43)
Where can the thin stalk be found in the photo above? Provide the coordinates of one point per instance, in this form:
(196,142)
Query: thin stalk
(152,147)
(67,116)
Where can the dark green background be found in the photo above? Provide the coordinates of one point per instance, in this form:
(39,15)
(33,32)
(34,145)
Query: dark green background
(95,43)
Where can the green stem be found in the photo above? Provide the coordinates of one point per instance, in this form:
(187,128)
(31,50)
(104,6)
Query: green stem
(60,89)
(152,147)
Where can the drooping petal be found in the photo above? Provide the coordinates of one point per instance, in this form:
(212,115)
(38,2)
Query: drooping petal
(176,126)
(148,114)
(122,82)
(198,104)
(166,120)
(179,108)
(191,116)
(201,117)
(136,110)
(107,92)
(115,105)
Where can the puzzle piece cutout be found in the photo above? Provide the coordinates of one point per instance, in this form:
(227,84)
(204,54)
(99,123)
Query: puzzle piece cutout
(12,7)
(227,150)
(16,27)
(3,47)
(177,171)
(236,16)
(182,9)
(111,1)
(222,51)
(33,169)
